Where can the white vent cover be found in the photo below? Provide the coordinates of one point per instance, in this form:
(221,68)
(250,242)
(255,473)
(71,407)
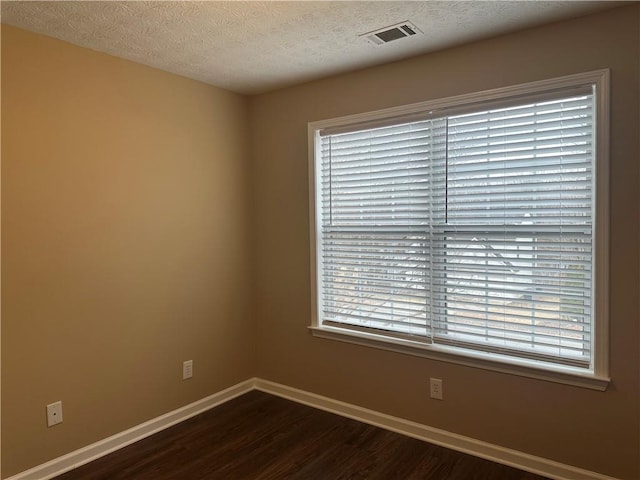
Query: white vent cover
(391,33)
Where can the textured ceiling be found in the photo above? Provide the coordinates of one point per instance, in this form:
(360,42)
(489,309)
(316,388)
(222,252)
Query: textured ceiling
(252,47)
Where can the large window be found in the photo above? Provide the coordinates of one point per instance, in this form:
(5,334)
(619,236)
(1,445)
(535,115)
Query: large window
(468,226)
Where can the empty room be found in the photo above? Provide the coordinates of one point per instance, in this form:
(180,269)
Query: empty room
(320,240)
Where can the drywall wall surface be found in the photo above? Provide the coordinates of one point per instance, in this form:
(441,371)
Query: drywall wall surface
(124,244)
(594,430)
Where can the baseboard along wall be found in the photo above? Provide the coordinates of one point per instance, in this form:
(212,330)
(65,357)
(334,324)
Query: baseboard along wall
(478,448)
(84,455)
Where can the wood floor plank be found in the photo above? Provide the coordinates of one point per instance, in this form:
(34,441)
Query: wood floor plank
(262,437)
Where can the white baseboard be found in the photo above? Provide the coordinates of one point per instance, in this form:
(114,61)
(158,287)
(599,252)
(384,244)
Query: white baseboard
(460,443)
(84,455)
(495,453)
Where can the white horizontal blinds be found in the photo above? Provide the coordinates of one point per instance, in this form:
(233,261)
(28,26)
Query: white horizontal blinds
(514,258)
(473,228)
(377,201)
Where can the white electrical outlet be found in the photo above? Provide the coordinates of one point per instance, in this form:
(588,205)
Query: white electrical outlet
(54,414)
(436,388)
(187,369)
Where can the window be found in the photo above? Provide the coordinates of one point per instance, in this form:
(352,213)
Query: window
(467,228)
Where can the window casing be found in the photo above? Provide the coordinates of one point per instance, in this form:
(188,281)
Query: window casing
(465,229)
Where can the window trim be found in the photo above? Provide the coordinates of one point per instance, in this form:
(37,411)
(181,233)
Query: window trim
(598,377)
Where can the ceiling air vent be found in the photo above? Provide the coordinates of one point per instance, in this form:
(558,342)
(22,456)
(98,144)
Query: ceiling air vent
(391,33)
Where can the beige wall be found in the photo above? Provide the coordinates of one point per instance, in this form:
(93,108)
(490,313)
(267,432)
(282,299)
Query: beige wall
(138,231)
(593,430)
(124,241)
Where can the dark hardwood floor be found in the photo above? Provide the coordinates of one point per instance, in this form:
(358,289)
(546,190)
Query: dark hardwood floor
(260,436)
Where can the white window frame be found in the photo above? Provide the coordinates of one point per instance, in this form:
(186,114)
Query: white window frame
(597,377)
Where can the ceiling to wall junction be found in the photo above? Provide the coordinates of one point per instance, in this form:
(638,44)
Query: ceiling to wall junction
(252,47)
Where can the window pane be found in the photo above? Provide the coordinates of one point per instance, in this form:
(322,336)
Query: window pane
(376,208)
(515,257)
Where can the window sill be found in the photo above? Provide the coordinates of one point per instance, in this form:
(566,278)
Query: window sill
(486,361)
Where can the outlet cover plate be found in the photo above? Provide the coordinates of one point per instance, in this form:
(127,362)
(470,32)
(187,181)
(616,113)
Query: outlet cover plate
(435,385)
(54,413)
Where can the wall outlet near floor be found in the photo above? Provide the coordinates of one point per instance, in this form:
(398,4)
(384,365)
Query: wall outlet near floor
(187,369)
(54,414)
(435,385)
